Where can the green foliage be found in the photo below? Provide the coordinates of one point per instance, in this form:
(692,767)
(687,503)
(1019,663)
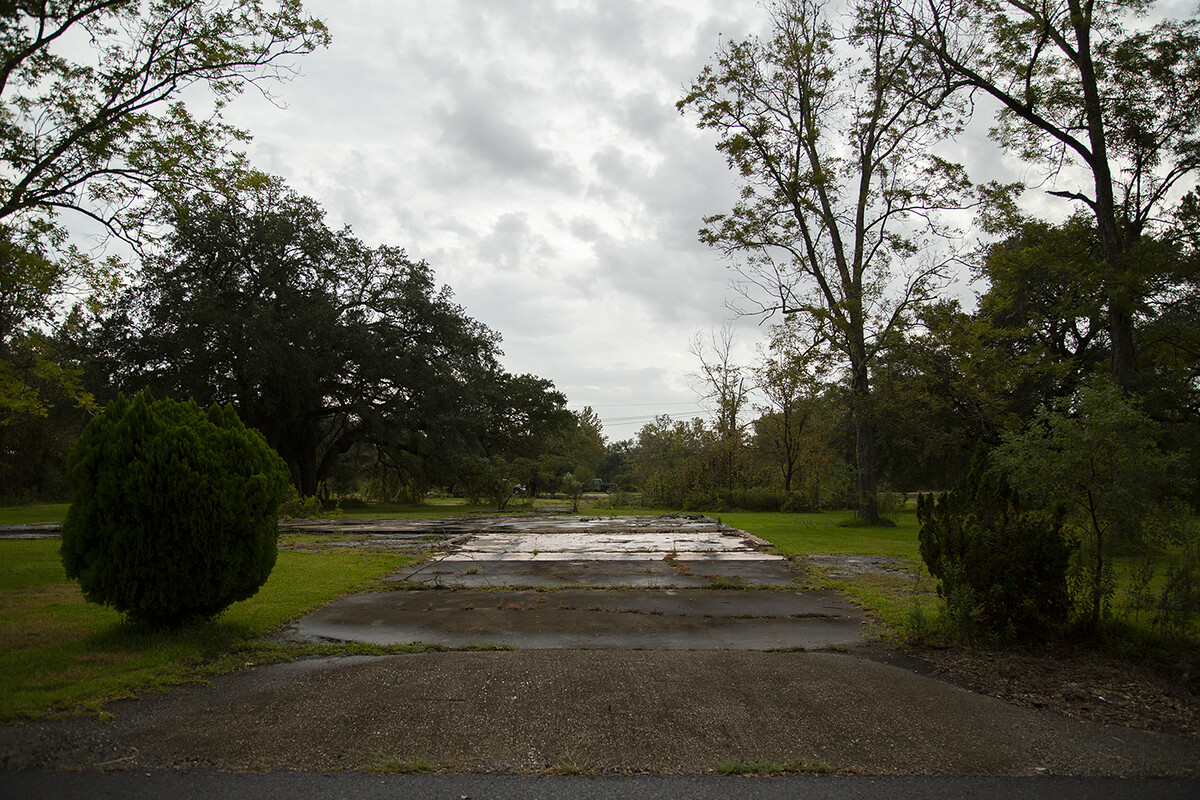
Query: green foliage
(297,506)
(91,107)
(756,498)
(339,353)
(43,403)
(999,566)
(174,509)
(573,485)
(820,233)
(1094,458)
(1091,86)
(1179,602)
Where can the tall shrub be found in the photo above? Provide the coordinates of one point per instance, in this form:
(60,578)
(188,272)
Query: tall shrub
(174,510)
(1095,457)
(999,567)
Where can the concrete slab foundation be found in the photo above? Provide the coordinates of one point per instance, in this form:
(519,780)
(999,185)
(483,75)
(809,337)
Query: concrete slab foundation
(672,619)
(685,582)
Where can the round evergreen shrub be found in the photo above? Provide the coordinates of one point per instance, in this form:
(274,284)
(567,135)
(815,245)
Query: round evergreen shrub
(174,509)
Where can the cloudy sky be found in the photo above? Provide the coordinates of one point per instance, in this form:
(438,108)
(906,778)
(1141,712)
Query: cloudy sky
(531,152)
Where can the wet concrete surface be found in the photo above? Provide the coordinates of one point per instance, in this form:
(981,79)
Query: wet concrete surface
(687,619)
(547,583)
(558,706)
(646,572)
(645,552)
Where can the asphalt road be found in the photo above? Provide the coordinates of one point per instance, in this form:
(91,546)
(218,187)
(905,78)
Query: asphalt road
(331,786)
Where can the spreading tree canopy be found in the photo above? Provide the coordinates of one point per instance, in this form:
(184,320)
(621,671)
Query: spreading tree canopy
(91,95)
(1079,85)
(93,122)
(322,343)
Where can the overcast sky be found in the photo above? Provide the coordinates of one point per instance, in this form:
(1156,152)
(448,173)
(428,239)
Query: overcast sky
(531,152)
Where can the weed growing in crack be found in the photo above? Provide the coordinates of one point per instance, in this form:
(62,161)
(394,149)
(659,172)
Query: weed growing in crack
(764,768)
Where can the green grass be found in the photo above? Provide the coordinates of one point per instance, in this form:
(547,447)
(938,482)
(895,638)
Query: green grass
(829,532)
(394,765)
(59,653)
(38,512)
(889,598)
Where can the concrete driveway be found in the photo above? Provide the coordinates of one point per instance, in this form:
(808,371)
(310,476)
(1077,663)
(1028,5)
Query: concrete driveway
(679,583)
(611,708)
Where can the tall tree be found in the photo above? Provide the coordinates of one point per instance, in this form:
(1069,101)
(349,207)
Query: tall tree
(1094,457)
(317,340)
(791,376)
(840,187)
(725,385)
(92,122)
(1077,86)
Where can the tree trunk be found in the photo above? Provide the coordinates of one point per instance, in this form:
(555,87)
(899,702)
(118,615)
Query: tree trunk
(1120,305)
(864,432)
(307,464)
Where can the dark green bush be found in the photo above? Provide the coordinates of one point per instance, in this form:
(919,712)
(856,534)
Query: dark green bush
(174,509)
(998,566)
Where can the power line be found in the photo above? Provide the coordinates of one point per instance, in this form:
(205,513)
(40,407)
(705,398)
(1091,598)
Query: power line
(631,405)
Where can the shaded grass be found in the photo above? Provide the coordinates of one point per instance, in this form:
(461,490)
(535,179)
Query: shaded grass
(59,653)
(828,532)
(37,512)
(891,599)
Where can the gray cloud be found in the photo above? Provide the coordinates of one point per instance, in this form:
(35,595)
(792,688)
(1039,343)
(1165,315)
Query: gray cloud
(504,148)
(531,152)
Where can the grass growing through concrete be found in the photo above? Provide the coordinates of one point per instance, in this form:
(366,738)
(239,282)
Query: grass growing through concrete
(59,653)
(767,768)
(395,765)
(892,599)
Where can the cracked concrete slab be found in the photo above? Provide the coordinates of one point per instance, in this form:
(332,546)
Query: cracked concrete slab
(550,583)
(644,552)
(688,619)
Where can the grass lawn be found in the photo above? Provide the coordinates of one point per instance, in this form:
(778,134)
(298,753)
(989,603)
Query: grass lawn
(38,512)
(891,599)
(829,532)
(59,653)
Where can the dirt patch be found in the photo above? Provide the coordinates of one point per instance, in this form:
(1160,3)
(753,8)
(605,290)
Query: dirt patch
(1162,697)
